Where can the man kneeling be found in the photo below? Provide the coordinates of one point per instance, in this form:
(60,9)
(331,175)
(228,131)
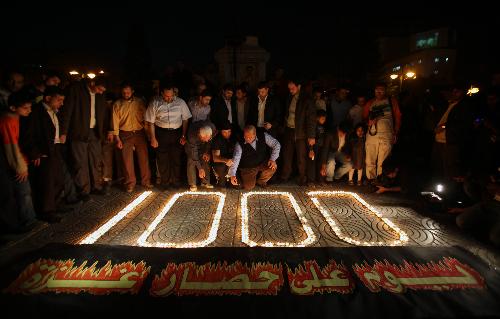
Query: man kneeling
(251,156)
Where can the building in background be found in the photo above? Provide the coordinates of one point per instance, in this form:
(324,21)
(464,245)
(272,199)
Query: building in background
(242,60)
(430,55)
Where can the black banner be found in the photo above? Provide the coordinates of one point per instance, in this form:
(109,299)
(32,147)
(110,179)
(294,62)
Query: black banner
(352,282)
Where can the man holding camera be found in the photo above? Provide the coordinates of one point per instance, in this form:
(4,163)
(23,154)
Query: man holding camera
(384,121)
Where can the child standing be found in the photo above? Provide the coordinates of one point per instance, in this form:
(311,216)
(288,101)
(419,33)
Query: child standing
(357,148)
(23,218)
(312,162)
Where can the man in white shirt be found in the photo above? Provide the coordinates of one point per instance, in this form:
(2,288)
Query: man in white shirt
(167,122)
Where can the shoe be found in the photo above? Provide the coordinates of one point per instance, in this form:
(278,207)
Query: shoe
(262,185)
(193,188)
(85,197)
(176,185)
(149,186)
(360,182)
(67,209)
(302,181)
(129,189)
(106,186)
(50,217)
(29,227)
(100,191)
(351,182)
(282,180)
(207,186)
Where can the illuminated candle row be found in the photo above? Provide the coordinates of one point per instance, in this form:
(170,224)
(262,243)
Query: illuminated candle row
(311,238)
(403,238)
(142,241)
(92,238)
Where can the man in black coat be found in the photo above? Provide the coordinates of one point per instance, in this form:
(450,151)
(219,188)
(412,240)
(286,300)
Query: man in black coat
(265,111)
(49,178)
(223,108)
(453,136)
(300,130)
(83,125)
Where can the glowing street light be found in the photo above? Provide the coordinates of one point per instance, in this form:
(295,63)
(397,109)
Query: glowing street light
(91,75)
(101,72)
(73,72)
(410,75)
(403,76)
(472,90)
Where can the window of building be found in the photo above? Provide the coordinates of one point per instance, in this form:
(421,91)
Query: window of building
(427,40)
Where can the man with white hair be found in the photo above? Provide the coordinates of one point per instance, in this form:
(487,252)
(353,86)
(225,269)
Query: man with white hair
(198,153)
(251,156)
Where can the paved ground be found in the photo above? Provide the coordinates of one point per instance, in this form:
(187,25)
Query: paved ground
(271,218)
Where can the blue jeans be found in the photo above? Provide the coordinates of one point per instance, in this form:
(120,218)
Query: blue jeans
(25,210)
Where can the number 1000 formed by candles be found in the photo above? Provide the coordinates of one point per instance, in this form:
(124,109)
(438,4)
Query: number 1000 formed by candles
(212,235)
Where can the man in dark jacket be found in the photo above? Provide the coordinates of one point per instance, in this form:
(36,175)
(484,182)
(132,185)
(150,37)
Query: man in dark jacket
(453,136)
(49,178)
(224,108)
(83,125)
(265,111)
(300,131)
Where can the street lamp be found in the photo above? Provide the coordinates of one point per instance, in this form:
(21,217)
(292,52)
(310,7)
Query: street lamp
(408,75)
(473,90)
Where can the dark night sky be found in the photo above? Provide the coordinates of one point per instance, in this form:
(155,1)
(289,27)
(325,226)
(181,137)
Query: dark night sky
(313,40)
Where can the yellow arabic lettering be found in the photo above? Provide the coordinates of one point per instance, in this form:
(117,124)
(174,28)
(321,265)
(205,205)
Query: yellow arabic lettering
(122,283)
(37,279)
(167,290)
(466,279)
(238,282)
(370,278)
(333,281)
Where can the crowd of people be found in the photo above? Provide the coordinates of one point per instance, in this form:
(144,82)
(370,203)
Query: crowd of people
(60,144)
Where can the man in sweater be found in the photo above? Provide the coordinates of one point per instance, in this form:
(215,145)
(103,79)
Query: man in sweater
(251,157)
